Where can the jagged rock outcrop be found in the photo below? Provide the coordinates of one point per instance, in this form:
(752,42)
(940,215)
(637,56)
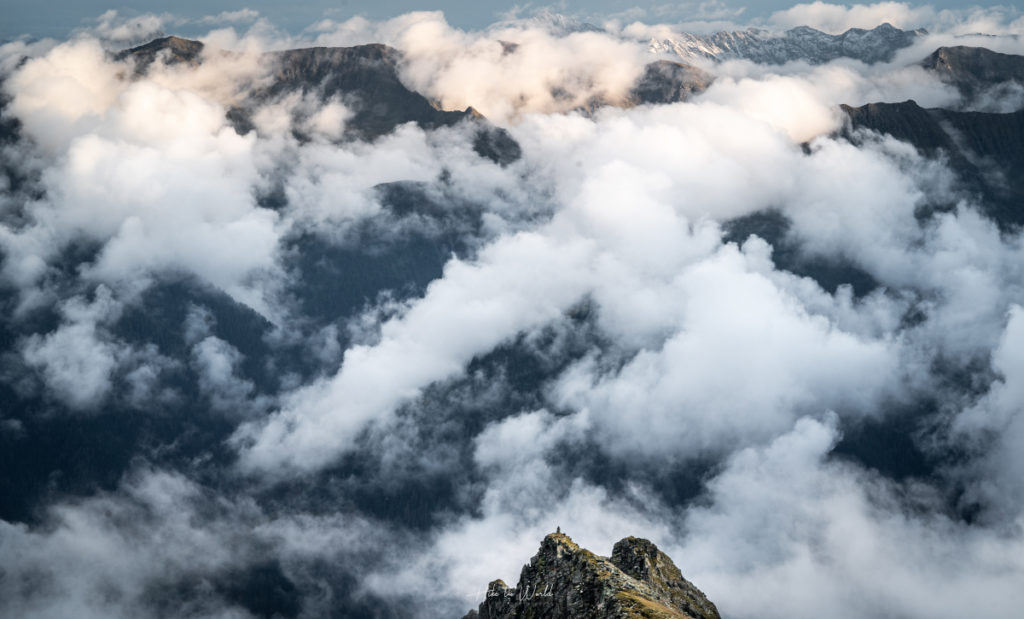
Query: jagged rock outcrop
(564,581)
(879,44)
(974,69)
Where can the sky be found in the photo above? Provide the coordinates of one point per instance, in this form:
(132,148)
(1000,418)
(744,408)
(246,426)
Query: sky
(26,17)
(257,361)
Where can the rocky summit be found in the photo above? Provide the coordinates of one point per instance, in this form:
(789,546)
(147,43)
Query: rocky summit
(564,581)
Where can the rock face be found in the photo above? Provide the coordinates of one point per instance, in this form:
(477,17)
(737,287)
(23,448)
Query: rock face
(565,581)
(802,43)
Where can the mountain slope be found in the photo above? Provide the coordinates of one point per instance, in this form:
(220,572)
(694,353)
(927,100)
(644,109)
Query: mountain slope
(565,581)
(802,43)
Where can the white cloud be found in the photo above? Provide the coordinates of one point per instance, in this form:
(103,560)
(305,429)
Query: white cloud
(745,361)
(153,174)
(241,15)
(838,18)
(541,72)
(473,308)
(823,538)
(77,360)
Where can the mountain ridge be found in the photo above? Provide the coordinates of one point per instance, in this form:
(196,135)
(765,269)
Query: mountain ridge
(984,149)
(761,46)
(973,70)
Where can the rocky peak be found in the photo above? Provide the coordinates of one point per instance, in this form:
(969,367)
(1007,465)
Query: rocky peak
(641,559)
(565,581)
(174,50)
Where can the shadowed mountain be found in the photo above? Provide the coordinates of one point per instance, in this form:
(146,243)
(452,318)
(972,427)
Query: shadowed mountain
(879,44)
(985,149)
(665,81)
(172,50)
(974,69)
(564,581)
(365,78)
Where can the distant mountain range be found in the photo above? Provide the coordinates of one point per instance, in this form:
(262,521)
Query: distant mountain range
(879,44)
(367,77)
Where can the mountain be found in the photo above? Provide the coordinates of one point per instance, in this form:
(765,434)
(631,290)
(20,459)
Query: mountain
(665,81)
(564,581)
(985,149)
(364,77)
(560,25)
(974,69)
(174,50)
(802,43)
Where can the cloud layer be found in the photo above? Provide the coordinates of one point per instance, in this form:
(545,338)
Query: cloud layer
(253,364)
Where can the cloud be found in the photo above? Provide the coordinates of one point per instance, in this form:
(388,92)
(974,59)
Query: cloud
(599,348)
(838,18)
(78,359)
(230,17)
(160,542)
(115,29)
(730,375)
(822,537)
(68,88)
(140,165)
(472,309)
(502,72)
(637,193)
